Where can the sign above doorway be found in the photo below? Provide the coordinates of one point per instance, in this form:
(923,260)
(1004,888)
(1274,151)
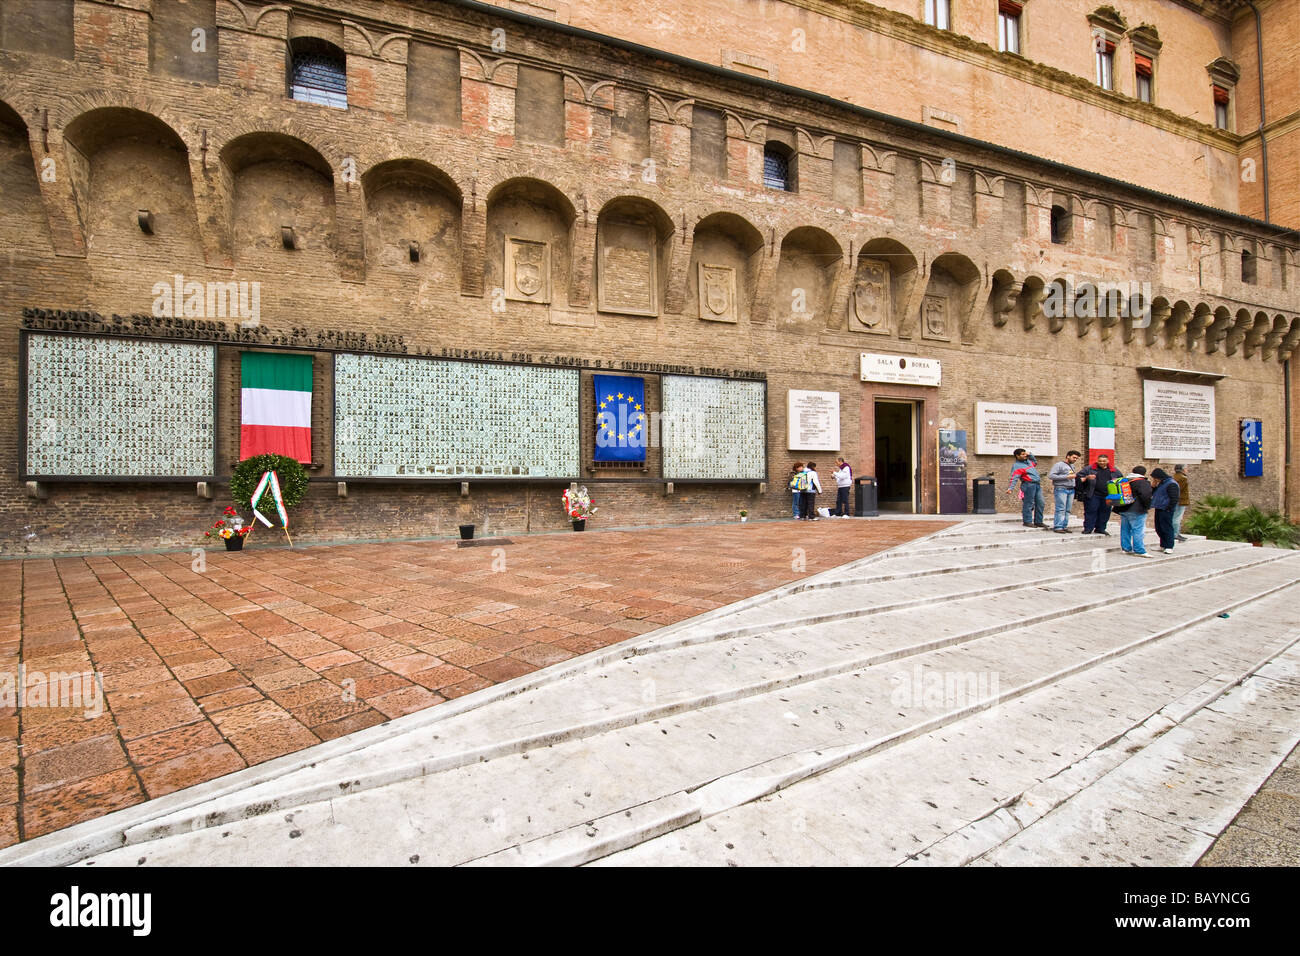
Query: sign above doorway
(901,369)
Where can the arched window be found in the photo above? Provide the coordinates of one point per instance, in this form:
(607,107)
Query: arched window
(318,73)
(1060,225)
(777,173)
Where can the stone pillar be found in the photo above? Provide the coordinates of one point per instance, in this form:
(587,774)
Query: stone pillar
(670,137)
(252,56)
(988,201)
(679,269)
(473,243)
(114,37)
(744,151)
(1038,213)
(54,175)
(936,192)
(376,77)
(878,166)
(815,164)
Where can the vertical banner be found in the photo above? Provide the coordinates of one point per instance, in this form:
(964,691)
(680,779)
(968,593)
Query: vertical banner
(1101,434)
(952,472)
(621,421)
(1252,448)
(275,405)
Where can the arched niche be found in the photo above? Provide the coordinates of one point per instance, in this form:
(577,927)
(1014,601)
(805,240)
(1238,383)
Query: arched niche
(274,182)
(19,187)
(413,220)
(883,278)
(633,244)
(949,300)
(529,241)
(805,279)
(724,268)
(124,162)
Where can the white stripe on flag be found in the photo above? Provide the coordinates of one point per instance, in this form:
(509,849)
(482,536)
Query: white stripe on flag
(1101,439)
(274,406)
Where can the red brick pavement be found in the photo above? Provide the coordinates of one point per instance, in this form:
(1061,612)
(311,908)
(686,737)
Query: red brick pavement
(272,650)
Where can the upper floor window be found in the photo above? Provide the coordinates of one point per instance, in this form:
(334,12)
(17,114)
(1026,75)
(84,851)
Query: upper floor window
(1061,225)
(318,73)
(1009,26)
(1143,72)
(938,14)
(776,168)
(1248,271)
(1221,97)
(1105,54)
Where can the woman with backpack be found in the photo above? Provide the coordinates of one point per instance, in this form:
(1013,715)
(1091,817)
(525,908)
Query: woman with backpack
(810,487)
(795,470)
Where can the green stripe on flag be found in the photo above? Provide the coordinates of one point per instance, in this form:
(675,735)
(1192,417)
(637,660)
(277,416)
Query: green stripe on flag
(1101,418)
(290,373)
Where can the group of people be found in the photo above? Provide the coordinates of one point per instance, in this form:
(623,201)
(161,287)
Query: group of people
(805,486)
(1098,487)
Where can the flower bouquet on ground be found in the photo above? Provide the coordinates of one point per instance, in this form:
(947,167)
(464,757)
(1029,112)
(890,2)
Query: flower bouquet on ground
(231,527)
(579,507)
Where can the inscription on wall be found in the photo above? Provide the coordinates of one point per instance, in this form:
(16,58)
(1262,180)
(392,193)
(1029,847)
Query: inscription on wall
(117,408)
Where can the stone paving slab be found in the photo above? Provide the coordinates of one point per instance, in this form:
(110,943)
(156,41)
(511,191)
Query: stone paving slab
(270,651)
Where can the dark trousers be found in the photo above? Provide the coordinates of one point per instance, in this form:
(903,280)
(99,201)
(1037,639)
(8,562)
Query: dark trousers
(1096,512)
(842,502)
(808,504)
(1165,527)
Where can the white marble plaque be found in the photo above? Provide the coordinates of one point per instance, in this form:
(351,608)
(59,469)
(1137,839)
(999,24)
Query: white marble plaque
(1178,421)
(813,420)
(427,418)
(901,369)
(713,428)
(103,407)
(1001,428)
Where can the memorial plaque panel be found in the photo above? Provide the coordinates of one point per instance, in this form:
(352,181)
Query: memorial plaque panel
(1000,429)
(814,420)
(421,418)
(1178,420)
(104,407)
(714,428)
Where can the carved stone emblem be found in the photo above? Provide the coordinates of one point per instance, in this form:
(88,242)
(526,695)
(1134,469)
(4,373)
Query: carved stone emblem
(934,318)
(528,270)
(718,293)
(869,303)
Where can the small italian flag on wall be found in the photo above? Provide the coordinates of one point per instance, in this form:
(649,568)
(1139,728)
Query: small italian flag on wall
(1101,434)
(275,403)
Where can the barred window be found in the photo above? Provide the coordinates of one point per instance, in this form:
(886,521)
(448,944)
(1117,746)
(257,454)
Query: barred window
(318,74)
(776,169)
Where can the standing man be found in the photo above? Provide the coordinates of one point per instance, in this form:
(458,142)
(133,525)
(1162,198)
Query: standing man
(812,488)
(1063,476)
(1133,516)
(1184,499)
(1025,471)
(1163,503)
(843,482)
(1091,487)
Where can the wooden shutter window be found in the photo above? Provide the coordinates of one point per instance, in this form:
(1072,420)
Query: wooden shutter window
(1010,8)
(1220,95)
(1143,64)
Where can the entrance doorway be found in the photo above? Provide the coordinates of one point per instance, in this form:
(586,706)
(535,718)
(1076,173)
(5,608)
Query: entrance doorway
(898,474)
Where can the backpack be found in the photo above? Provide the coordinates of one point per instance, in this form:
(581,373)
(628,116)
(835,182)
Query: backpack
(800,482)
(1119,492)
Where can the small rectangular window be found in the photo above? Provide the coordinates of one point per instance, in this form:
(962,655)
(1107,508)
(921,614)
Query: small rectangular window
(1105,63)
(1220,107)
(937,14)
(1142,68)
(1008,26)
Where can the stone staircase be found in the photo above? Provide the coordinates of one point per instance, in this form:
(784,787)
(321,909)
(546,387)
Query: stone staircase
(988,694)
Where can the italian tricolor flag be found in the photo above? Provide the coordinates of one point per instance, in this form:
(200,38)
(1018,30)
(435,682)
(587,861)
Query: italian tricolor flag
(1101,434)
(275,398)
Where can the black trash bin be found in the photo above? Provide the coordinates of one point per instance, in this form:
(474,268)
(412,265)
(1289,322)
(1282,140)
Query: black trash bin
(985,497)
(865,495)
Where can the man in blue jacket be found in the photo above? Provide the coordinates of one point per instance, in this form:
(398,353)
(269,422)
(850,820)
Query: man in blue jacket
(1163,503)
(1025,471)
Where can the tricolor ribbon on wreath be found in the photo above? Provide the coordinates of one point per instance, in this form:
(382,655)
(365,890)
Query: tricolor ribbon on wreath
(272,480)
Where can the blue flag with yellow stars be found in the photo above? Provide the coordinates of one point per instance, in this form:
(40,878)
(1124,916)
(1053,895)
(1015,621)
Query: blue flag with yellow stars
(621,419)
(1252,448)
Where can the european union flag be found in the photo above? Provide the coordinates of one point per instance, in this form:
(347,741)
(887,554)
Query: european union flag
(1252,448)
(621,419)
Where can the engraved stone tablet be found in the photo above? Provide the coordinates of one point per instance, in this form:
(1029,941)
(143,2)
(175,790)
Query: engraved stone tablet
(528,270)
(717,293)
(869,305)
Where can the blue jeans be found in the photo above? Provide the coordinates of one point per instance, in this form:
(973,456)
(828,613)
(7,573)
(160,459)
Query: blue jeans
(795,505)
(1178,519)
(1031,508)
(1133,531)
(1063,499)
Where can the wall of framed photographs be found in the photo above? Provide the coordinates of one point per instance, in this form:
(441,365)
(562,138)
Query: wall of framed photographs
(101,407)
(429,418)
(714,428)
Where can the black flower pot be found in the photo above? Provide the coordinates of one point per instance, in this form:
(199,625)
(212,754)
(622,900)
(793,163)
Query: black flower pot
(235,542)
(466,532)
(579,524)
